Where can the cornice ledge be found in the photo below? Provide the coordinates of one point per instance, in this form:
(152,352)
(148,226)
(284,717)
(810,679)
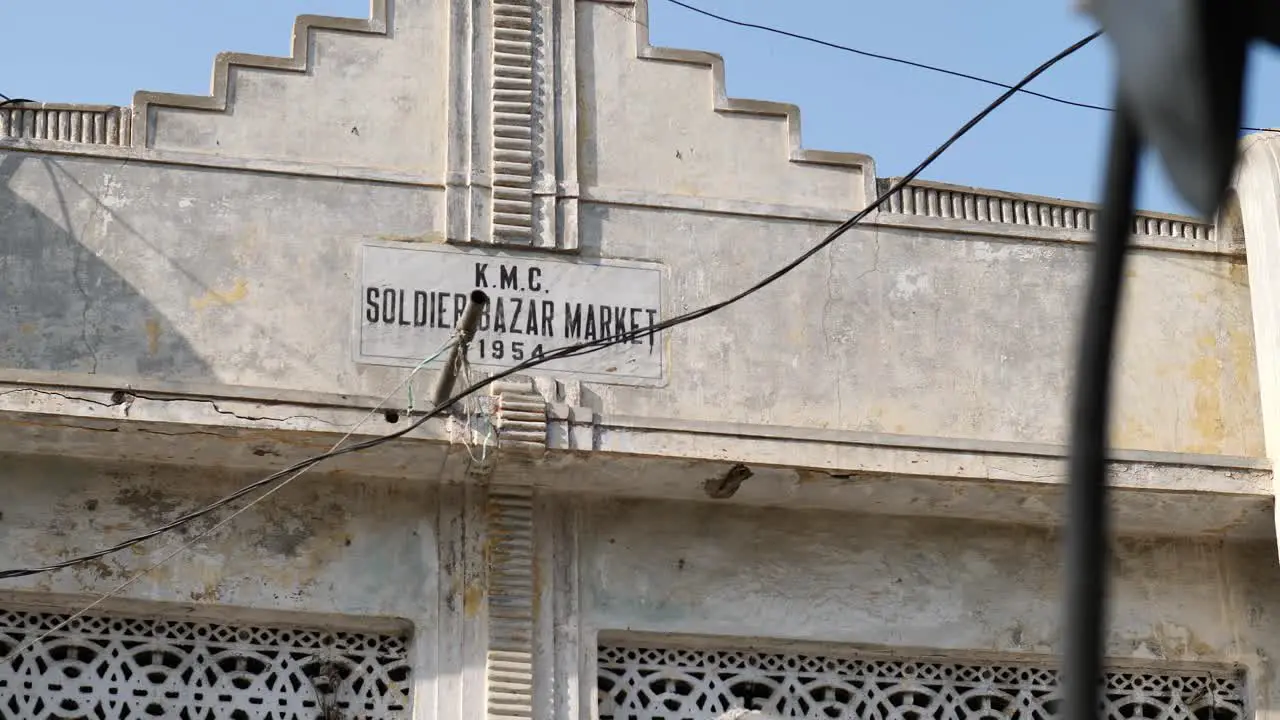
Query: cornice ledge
(297,61)
(961,203)
(893,441)
(73,123)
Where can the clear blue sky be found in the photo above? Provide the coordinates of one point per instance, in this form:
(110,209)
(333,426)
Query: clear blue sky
(95,51)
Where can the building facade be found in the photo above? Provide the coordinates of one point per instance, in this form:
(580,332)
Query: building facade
(839,497)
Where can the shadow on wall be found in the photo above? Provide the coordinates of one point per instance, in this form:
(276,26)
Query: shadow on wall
(64,307)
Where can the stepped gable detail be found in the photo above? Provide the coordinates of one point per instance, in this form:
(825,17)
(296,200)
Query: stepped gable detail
(348,100)
(697,141)
(726,104)
(556,104)
(220,95)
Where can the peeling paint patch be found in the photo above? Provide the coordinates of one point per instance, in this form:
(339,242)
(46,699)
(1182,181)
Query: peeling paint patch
(148,504)
(286,541)
(911,283)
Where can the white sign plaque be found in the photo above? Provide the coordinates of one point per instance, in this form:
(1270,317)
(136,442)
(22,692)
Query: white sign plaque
(411,297)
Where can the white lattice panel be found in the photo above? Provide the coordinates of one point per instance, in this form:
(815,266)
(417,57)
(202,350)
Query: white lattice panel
(111,668)
(647,683)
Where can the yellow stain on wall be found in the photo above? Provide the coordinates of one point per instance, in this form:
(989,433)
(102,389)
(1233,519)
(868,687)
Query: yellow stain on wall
(1242,360)
(1240,343)
(472,597)
(1238,273)
(1205,373)
(1133,434)
(153,336)
(238,292)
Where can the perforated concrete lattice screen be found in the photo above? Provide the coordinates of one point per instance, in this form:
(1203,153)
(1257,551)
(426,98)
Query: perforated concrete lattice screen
(111,668)
(648,683)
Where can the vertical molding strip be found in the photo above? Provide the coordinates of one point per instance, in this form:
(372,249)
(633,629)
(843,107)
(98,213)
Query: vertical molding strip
(510,554)
(513,100)
(570,686)
(563,124)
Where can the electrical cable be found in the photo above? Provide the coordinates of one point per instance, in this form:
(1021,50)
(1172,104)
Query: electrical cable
(584,347)
(13,101)
(902,61)
(1085,563)
(23,647)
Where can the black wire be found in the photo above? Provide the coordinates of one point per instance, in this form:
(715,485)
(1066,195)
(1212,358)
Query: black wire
(570,350)
(13,101)
(902,61)
(1085,564)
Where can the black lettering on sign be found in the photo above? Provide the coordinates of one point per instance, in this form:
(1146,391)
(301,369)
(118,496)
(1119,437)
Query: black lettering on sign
(499,316)
(515,315)
(652,314)
(482,277)
(459,305)
(619,321)
(531,319)
(507,279)
(484,318)
(635,325)
(589,332)
(371,304)
(440,309)
(401,316)
(388,306)
(535,279)
(548,318)
(420,303)
(606,321)
(572,321)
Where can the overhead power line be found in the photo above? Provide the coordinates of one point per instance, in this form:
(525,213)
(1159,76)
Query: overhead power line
(903,61)
(577,349)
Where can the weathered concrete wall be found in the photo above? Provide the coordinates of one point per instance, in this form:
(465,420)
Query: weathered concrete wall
(225,254)
(333,551)
(325,544)
(245,279)
(189,273)
(220,248)
(929,333)
(836,578)
(359,552)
